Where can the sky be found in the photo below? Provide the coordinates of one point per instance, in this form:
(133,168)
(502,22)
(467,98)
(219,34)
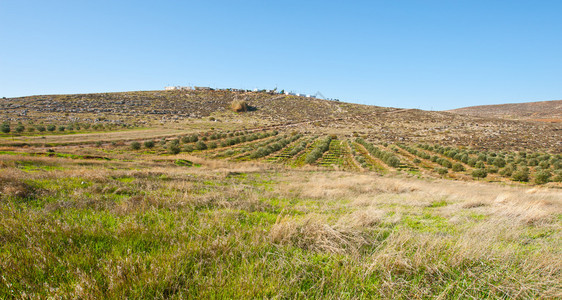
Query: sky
(426,54)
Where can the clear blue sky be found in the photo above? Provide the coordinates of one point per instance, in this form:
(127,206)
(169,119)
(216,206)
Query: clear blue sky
(415,54)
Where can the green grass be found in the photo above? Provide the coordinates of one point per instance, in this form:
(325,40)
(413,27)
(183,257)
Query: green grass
(149,227)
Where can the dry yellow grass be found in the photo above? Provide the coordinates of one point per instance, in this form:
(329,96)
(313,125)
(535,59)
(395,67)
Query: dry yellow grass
(131,226)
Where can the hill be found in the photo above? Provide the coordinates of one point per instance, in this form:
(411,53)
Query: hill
(177,109)
(543,111)
(172,194)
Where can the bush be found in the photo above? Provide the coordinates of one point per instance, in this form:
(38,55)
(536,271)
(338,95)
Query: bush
(479,173)
(417,161)
(20,128)
(193,139)
(188,148)
(173,148)
(507,171)
(499,162)
(479,165)
(393,161)
(313,156)
(40,128)
(458,167)
(521,175)
(442,171)
(135,145)
(200,145)
(149,144)
(61,128)
(542,177)
(5,128)
(532,162)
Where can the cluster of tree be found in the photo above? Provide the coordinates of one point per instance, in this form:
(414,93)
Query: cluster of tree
(322,146)
(20,127)
(387,157)
(547,167)
(299,147)
(274,147)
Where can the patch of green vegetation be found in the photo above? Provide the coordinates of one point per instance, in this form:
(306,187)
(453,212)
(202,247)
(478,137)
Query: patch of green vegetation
(439,203)
(31,166)
(427,223)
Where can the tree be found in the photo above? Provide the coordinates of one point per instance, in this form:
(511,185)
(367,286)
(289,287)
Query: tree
(479,173)
(5,128)
(200,145)
(521,175)
(458,167)
(51,128)
(542,177)
(173,148)
(149,144)
(135,145)
(20,128)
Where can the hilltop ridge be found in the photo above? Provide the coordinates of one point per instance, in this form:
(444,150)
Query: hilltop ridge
(541,111)
(176,108)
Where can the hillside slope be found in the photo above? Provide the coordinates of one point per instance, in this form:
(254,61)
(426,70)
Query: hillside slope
(177,109)
(544,111)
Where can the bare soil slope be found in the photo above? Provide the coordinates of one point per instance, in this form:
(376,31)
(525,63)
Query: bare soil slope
(378,124)
(543,111)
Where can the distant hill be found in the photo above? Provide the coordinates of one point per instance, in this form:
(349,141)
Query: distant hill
(543,111)
(180,109)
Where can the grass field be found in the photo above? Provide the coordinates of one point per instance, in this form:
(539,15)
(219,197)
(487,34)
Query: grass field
(140,224)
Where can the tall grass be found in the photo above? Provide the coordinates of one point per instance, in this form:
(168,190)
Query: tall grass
(148,228)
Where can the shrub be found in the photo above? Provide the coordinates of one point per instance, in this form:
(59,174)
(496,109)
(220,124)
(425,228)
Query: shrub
(479,173)
(499,162)
(393,161)
(417,161)
(149,144)
(20,128)
(442,171)
(40,128)
(193,139)
(188,148)
(542,177)
(313,156)
(521,175)
(173,148)
(200,145)
(212,145)
(544,164)
(479,165)
(458,167)
(61,128)
(507,171)
(532,162)
(5,128)
(135,145)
